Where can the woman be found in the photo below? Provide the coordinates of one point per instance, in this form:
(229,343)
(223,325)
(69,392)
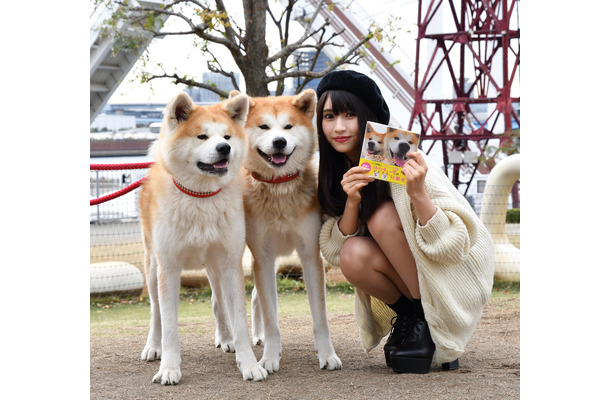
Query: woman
(420,259)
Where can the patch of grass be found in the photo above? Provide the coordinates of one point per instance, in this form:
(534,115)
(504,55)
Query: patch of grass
(130,315)
(506,287)
(285,285)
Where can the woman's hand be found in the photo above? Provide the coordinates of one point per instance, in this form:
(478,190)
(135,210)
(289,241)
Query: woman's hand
(415,170)
(353,182)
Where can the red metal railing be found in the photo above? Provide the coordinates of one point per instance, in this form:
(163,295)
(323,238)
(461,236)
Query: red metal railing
(113,167)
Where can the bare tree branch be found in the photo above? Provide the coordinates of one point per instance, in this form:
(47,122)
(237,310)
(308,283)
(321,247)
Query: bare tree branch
(246,43)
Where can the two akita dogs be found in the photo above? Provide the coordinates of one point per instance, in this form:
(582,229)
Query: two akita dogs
(193,211)
(389,147)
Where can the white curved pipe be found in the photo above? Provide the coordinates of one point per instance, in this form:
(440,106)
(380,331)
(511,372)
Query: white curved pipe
(493,214)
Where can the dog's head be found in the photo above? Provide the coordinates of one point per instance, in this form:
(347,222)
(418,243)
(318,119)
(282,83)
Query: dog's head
(398,143)
(373,143)
(280,133)
(203,141)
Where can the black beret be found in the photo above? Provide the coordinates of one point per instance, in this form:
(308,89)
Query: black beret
(360,85)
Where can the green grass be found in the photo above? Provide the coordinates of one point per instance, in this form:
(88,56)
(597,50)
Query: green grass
(110,316)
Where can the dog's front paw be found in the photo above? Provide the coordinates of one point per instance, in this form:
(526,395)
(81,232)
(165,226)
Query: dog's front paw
(227,347)
(258,340)
(253,372)
(330,362)
(271,364)
(151,353)
(168,376)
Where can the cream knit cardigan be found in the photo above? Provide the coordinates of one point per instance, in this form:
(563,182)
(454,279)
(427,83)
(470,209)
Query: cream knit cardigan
(455,264)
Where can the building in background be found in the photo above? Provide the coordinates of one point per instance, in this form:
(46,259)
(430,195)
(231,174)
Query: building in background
(113,122)
(305,59)
(203,96)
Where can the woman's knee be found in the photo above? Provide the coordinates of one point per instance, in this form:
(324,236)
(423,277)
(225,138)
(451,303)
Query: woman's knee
(353,258)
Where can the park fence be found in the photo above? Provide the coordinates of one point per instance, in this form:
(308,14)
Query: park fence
(116,249)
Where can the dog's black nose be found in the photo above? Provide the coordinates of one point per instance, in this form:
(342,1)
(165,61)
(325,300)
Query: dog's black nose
(404,147)
(279,143)
(371,145)
(223,148)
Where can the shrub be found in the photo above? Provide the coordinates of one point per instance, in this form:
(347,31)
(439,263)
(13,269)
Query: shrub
(512,216)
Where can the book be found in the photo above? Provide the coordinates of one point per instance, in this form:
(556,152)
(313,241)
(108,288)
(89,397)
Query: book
(384,151)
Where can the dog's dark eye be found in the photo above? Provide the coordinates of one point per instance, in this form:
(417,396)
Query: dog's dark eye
(379,142)
(264,127)
(396,138)
(288,126)
(227,137)
(202,137)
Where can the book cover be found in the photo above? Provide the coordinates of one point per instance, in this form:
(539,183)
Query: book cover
(384,151)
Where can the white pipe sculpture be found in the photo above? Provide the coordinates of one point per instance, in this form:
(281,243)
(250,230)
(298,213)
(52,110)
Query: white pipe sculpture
(493,214)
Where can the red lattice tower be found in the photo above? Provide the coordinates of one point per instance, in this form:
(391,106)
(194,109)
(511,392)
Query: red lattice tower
(480,35)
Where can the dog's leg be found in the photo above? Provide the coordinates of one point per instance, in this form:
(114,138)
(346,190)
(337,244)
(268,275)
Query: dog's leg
(266,287)
(169,296)
(223,337)
(152,350)
(258,323)
(231,281)
(308,249)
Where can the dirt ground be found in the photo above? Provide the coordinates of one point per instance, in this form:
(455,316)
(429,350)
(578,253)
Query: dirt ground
(490,368)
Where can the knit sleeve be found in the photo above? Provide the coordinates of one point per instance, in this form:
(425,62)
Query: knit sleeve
(451,232)
(331,240)
(446,237)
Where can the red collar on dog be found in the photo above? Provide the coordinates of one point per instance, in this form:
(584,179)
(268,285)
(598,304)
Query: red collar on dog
(279,179)
(193,193)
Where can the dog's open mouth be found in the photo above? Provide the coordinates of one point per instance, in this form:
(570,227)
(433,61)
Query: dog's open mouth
(373,152)
(276,159)
(399,159)
(220,167)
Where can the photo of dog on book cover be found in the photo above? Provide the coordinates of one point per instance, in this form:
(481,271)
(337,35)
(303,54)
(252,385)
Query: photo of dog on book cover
(384,151)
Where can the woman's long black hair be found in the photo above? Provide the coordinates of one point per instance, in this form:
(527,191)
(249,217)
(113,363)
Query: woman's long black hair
(333,165)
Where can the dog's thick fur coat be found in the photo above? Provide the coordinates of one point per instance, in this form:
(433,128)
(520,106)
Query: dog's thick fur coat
(193,216)
(283,214)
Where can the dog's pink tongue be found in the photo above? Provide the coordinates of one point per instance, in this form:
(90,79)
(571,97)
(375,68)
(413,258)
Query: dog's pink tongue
(399,161)
(371,151)
(220,164)
(278,158)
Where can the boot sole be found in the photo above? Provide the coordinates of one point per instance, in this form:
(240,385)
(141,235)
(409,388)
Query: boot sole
(448,366)
(411,365)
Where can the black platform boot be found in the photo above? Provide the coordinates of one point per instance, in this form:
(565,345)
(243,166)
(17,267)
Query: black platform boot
(400,326)
(400,329)
(414,355)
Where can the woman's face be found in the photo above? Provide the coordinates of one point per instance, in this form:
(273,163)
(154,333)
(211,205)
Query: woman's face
(341,131)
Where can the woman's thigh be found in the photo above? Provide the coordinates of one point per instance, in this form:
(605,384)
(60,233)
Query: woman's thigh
(366,266)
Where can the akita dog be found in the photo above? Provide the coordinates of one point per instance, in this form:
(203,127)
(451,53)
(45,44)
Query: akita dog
(283,214)
(193,216)
(373,148)
(398,143)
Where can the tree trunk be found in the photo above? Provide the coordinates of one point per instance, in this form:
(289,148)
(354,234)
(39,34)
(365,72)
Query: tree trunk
(252,65)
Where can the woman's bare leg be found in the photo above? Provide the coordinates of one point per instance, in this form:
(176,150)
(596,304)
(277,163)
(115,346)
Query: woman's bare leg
(366,267)
(386,229)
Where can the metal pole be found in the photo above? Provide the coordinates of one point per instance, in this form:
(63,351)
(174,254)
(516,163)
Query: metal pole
(97,193)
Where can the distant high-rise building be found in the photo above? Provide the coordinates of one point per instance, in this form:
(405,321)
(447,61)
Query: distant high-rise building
(204,96)
(305,58)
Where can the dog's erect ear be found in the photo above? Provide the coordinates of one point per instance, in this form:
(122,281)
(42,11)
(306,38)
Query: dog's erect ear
(306,101)
(179,109)
(237,108)
(369,128)
(234,93)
